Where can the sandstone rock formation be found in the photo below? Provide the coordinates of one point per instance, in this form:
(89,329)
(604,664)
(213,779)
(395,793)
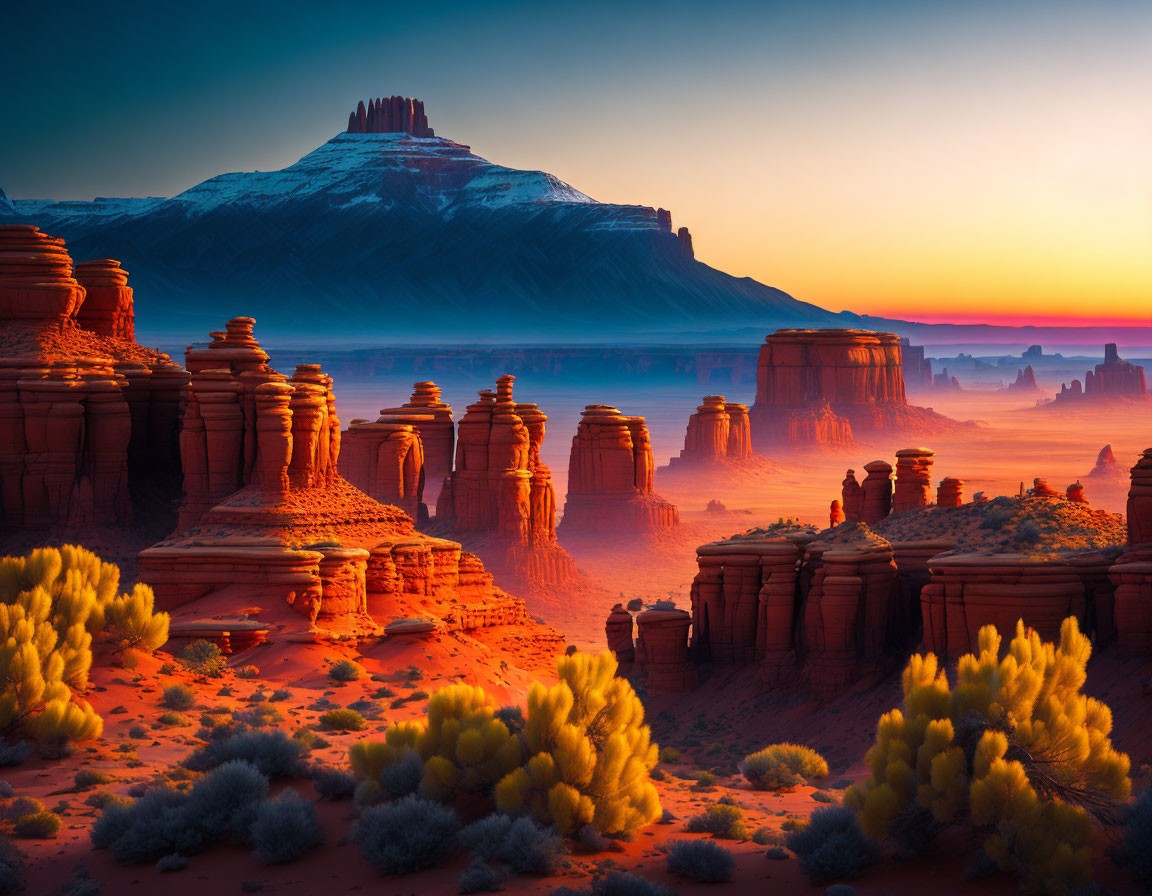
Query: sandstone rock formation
(610,473)
(1025,383)
(662,650)
(851,497)
(835,515)
(876,491)
(685,239)
(618,630)
(719,432)
(968,591)
(107,307)
(1132,573)
(1114,378)
(438,434)
(944,382)
(395,114)
(385,460)
(501,488)
(950,492)
(1075,493)
(266,515)
(828,384)
(916,368)
(88,415)
(913,479)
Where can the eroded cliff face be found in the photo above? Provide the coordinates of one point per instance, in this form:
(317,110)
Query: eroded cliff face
(87,416)
(610,474)
(820,387)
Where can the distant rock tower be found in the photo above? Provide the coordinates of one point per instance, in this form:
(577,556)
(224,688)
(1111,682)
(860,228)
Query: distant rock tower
(390,115)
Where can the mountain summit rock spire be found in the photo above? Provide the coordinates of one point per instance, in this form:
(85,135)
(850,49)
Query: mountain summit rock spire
(390,115)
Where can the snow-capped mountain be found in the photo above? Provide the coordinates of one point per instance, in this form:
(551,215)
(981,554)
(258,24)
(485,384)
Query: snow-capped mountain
(391,236)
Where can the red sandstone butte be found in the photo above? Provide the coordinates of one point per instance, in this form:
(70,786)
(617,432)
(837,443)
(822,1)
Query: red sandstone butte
(501,488)
(662,649)
(390,115)
(610,474)
(822,386)
(718,433)
(87,414)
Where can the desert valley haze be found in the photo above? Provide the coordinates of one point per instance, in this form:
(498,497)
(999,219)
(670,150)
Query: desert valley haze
(583,450)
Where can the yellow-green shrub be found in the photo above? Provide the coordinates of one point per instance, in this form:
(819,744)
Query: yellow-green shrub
(1015,748)
(590,752)
(782,766)
(52,602)
(463,746)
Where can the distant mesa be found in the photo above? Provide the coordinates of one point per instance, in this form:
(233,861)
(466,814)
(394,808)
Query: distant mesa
(1115,378)
(824,387)
(390,115)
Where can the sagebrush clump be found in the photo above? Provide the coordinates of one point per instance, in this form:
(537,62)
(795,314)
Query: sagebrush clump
(831,845)
(53,602)
(405,836)
(1014,749)
(783,766)
(284,829)
(700,860)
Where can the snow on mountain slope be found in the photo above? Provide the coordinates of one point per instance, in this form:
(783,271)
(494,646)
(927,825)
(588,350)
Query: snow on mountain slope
(387,235)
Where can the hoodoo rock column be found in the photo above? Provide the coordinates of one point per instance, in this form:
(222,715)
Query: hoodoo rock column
(913,479)
(718,432)
(610,474)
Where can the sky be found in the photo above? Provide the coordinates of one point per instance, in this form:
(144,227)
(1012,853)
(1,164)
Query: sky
(936,161)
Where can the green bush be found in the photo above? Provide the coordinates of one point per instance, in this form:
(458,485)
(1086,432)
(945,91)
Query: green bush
(345,671)
(89,777)
(178,696)
(669,755)
(203,658)
(173,719)
(343,719)
(723,820)
(782,766)
(37,826)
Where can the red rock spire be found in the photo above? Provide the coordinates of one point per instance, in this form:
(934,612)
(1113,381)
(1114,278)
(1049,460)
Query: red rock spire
(390,115)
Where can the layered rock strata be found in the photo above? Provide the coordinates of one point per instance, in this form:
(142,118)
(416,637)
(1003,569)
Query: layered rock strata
(500,488)
(719,432)
(87,416)
(826,385)
(662,650)
(610,472)
(913,479)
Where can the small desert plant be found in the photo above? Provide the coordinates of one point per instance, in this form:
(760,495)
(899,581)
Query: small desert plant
(723,820)
(178,696)
(776,853)
(14,754)
(518,844)
(782,766)
(102,799)
(1136,846)
(134,621)
(203,658)
(171,862)
(285,828)
(89,777)
(840,890)
(333,783)
(280,694)
(261,715)
(173,719)
(139,732)
(344,719)
(345,670)
(36,825)
(480,877)
(700,860)
(669,755)
(832,846)
(405,836)
(623,883)
(273,753)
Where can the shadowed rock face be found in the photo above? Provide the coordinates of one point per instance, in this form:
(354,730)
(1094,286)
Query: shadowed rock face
(86,414)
